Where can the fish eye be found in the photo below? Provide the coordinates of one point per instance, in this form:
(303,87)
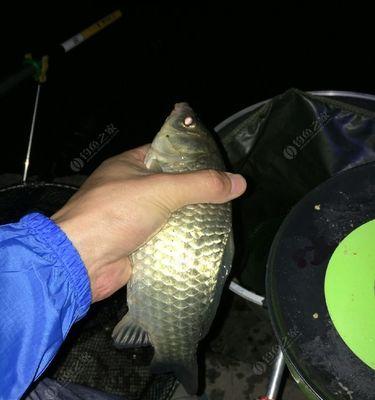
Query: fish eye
(188,122)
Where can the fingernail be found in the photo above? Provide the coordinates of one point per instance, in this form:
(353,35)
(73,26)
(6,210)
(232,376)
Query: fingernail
(238,183)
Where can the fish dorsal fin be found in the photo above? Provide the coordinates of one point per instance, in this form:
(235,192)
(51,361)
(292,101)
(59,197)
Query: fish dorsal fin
(128,333)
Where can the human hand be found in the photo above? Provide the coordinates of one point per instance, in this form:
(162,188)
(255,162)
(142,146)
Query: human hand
(122,204)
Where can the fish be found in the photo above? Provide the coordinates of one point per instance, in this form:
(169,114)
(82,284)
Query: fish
(178,275)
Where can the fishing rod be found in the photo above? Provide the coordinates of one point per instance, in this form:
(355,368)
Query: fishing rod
(37,69)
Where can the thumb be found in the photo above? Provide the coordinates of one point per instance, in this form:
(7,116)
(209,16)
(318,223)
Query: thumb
(206,186)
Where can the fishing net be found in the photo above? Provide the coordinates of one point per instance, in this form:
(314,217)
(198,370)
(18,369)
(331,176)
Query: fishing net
(88,357)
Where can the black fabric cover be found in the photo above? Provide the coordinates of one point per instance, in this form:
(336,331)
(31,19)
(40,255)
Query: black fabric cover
(285,148)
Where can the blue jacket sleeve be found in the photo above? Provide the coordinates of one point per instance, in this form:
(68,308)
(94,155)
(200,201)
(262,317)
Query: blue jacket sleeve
(44,289)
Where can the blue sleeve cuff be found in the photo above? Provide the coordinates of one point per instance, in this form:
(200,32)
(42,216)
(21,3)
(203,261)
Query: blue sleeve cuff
(53,237)
(44,288)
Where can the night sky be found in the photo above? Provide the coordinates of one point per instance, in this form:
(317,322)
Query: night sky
(219,58)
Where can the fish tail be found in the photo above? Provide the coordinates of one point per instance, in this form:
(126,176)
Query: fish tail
(185,371)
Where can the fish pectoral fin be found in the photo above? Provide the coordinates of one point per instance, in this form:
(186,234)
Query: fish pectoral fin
(127,333)
(186,373)
(151,161)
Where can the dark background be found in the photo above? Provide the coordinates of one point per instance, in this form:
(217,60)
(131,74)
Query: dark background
(219,58)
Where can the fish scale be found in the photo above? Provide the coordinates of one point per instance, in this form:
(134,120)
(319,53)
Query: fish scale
(148,308)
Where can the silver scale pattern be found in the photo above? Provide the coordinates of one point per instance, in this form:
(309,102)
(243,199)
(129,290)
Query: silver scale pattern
(175,278)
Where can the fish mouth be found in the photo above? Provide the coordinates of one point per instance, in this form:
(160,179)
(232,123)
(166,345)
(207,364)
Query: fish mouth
(184,114)
(182,108)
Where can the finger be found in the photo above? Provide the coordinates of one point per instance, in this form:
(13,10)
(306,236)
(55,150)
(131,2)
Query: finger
(207,186)
(126,164)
